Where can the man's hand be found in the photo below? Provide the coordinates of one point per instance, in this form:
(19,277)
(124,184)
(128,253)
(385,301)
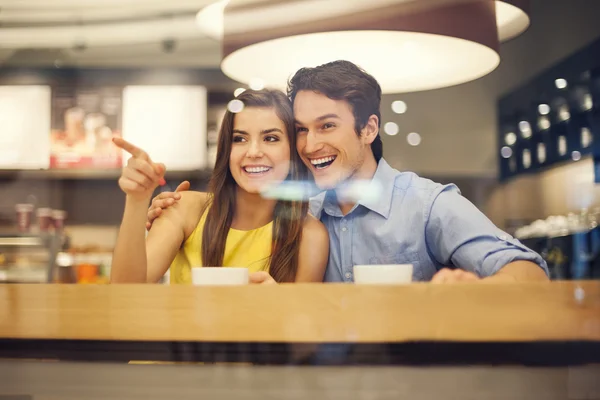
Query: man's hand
(447,275)
(164,200)
(262,278)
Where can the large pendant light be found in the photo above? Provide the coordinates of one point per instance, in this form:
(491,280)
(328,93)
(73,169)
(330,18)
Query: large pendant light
(512,18)
(407,45)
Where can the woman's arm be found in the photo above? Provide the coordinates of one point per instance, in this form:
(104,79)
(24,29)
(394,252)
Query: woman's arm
(135,258)
(170,231)
(139,179)
(314,251)
(138,258)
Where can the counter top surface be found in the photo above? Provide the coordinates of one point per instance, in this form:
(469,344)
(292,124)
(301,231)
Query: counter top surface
(310,313)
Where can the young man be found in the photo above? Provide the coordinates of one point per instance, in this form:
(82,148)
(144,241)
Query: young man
(411,220)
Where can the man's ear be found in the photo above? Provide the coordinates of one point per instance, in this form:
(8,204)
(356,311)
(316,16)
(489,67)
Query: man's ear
(371,129)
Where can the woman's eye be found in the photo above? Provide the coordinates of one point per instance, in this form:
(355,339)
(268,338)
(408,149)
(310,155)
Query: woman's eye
(272,139)
(237,139)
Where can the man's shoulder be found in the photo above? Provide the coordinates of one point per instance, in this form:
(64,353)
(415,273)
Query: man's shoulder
(415,185)
(404,180)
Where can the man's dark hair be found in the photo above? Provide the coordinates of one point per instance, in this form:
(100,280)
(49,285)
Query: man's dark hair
(343,80)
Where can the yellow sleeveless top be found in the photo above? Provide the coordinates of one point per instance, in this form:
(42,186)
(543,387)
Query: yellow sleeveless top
(250,249)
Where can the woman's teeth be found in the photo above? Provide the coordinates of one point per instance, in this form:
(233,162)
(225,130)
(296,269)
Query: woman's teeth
(256,170)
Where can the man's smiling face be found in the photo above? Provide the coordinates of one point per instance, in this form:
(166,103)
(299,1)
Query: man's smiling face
(327,140)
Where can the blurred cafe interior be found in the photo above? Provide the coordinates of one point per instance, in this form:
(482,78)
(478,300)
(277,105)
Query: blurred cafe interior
(518,142)
(515,125)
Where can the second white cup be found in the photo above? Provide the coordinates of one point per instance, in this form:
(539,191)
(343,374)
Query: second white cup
(219,276)
(385,274)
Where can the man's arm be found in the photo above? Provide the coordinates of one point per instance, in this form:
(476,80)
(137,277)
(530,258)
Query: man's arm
(458,234)
(519,271)
(163,201)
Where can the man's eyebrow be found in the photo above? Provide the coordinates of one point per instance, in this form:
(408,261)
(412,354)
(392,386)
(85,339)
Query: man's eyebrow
(327,116)
(321,118)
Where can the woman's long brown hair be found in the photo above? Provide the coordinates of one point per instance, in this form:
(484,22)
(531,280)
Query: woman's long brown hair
(288,216)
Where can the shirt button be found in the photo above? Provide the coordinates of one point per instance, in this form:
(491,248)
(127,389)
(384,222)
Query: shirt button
(348,275)
(344,229)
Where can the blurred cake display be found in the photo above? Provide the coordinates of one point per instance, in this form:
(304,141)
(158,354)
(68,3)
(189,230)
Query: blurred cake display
(83,124)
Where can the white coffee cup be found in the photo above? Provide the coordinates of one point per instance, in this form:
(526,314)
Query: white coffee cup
(219,276)
(385,274)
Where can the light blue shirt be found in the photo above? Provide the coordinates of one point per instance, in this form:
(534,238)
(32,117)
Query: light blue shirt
(414,221)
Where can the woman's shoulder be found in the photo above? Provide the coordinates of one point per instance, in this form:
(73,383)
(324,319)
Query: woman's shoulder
(315,228)
(190,208)
(193,199)
(314,251)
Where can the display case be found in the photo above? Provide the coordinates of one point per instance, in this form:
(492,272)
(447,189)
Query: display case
(554,119)
(570,244)
(28,257)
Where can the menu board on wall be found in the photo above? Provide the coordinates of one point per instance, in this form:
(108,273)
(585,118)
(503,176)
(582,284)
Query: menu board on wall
(168,122)
(84,120)
(24,125)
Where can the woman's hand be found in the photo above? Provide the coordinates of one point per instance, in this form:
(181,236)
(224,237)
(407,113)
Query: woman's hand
(141,176)
(262,278)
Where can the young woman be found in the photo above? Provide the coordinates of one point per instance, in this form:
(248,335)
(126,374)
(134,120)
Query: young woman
(232,224)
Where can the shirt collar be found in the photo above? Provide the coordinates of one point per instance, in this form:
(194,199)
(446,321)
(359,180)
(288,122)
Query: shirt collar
(379,196)
(376,195)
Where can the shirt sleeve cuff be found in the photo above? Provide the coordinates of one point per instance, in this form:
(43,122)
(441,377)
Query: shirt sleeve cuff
(514,251)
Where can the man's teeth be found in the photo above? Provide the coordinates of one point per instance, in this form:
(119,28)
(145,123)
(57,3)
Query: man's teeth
(322,160)
(256,170)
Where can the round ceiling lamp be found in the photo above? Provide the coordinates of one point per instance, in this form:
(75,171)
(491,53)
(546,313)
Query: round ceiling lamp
(210,19)
(512,18)
(407,46)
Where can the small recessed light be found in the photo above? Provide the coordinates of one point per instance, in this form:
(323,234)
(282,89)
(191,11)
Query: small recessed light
(399,107)
(563,113)
(526,154)
(561,83)
(588,102)
(544,124)
(544,109)
(391,128)
(586,137)
(413,138)
(235,106)
(510,138)
(541,153)
(238,91)
(576,156)
(562,145)
(525,128)
(506,152)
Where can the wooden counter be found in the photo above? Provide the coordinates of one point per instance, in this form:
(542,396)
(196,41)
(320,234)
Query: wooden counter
(478,341)
(304,313)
